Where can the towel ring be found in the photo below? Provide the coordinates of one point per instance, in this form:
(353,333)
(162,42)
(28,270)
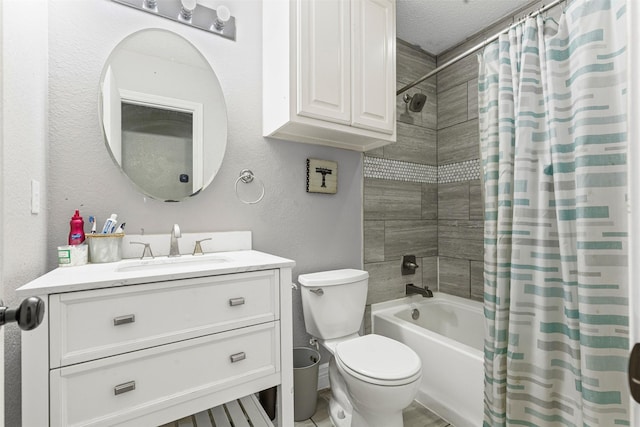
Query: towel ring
(246,177)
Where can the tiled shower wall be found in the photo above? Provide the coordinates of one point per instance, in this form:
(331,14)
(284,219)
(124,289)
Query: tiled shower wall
(401,190)
(422,195)
(460,213)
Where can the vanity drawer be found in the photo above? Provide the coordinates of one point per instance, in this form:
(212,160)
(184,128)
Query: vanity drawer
(88,325)
(124,387)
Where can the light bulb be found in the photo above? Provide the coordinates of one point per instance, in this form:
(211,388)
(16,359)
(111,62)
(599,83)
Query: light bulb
(223,16)
(187,9)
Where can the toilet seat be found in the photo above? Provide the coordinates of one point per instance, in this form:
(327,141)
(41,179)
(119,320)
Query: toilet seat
(376,359)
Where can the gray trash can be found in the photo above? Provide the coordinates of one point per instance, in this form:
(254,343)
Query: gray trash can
(305,382)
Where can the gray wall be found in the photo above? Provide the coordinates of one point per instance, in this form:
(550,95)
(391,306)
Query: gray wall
(318,231)
(23,148)
(400,190)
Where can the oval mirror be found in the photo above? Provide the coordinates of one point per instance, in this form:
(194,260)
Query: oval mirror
(163,114)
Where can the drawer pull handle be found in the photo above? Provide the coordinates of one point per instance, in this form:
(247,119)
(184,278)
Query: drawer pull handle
(237,357)
(123,320)
(236,301)
(123,388)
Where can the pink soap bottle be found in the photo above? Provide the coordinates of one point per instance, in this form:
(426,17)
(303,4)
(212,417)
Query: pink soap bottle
(76,234)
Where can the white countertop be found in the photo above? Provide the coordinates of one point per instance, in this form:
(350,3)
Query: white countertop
(133,271)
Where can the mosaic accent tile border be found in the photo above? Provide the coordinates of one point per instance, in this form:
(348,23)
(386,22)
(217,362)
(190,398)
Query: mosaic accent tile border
(456,172)
(396,170)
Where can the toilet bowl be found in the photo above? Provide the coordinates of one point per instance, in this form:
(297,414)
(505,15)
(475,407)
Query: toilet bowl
(382,377)
(373,378)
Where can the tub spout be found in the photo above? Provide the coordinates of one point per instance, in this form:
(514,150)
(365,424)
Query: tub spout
(411,289)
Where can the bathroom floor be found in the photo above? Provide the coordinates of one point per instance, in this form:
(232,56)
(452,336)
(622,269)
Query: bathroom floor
(414,416)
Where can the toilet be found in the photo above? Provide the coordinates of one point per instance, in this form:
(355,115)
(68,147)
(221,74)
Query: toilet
(373,378)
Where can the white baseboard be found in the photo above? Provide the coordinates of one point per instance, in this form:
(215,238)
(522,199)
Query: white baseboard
(323,376)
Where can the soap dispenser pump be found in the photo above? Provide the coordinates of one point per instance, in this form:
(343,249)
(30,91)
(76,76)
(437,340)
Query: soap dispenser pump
(76,233)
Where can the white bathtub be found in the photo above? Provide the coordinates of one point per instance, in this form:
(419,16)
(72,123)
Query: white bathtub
(449,338)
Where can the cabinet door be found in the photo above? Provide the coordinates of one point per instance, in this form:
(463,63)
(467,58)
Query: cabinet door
(324,52)
(374,67)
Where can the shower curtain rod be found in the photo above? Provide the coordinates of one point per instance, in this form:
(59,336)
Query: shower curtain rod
(475,48)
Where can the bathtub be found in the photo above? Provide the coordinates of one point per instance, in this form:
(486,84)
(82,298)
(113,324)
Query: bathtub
(449,338)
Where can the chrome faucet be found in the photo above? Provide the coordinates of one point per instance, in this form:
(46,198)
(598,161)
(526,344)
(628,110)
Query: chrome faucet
(174,249)
(411,289)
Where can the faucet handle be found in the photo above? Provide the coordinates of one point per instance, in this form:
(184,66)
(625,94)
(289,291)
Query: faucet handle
(197,249)
(146,250)
(409,265)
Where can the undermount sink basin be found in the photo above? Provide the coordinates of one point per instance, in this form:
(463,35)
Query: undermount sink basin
(172,262)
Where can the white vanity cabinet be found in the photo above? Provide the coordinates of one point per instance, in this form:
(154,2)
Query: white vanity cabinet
(146,348)
(329,72)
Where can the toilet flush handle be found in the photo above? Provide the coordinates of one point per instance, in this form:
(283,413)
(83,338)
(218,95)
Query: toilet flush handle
(318,291)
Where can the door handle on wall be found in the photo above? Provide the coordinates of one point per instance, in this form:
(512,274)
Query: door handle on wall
(634,372)
(28,315)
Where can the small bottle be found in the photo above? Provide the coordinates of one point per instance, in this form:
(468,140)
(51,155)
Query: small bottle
(110,224)
(76,233)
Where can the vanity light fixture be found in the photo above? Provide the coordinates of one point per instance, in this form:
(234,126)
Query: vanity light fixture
(186,11)
(189,12)
(222,18)
(152,5)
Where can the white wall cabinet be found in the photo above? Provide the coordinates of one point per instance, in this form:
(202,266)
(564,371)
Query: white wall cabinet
(132,349)
(329,72)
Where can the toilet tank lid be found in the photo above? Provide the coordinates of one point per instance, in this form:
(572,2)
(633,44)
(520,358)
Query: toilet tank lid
(333,277)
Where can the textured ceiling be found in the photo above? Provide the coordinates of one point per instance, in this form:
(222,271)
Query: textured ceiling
(437,25)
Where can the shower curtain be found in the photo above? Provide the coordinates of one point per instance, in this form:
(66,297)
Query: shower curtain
(552,105)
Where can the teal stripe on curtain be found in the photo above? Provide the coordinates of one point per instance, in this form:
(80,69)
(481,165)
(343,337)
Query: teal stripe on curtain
(556,291)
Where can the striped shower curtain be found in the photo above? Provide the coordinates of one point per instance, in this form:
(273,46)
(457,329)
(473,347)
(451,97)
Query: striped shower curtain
(552,100)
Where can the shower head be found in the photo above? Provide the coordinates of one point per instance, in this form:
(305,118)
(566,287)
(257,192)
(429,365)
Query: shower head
(416,101)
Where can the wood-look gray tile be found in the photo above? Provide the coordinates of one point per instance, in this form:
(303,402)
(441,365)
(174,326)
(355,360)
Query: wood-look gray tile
(386,281)
(387,199)
(430,111)
(452,106)
(367,320)
(462,71)
(472,99)
(414,144)
(453,200)
(476,203)
(429,201)
(411,63)
(461,239)
(459,142)
(373,241)
(419,238)
(454,277)
(477,280)
(415,415)
(429,267)
(305,423)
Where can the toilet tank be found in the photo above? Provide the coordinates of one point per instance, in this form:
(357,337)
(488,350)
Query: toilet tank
(333,302)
